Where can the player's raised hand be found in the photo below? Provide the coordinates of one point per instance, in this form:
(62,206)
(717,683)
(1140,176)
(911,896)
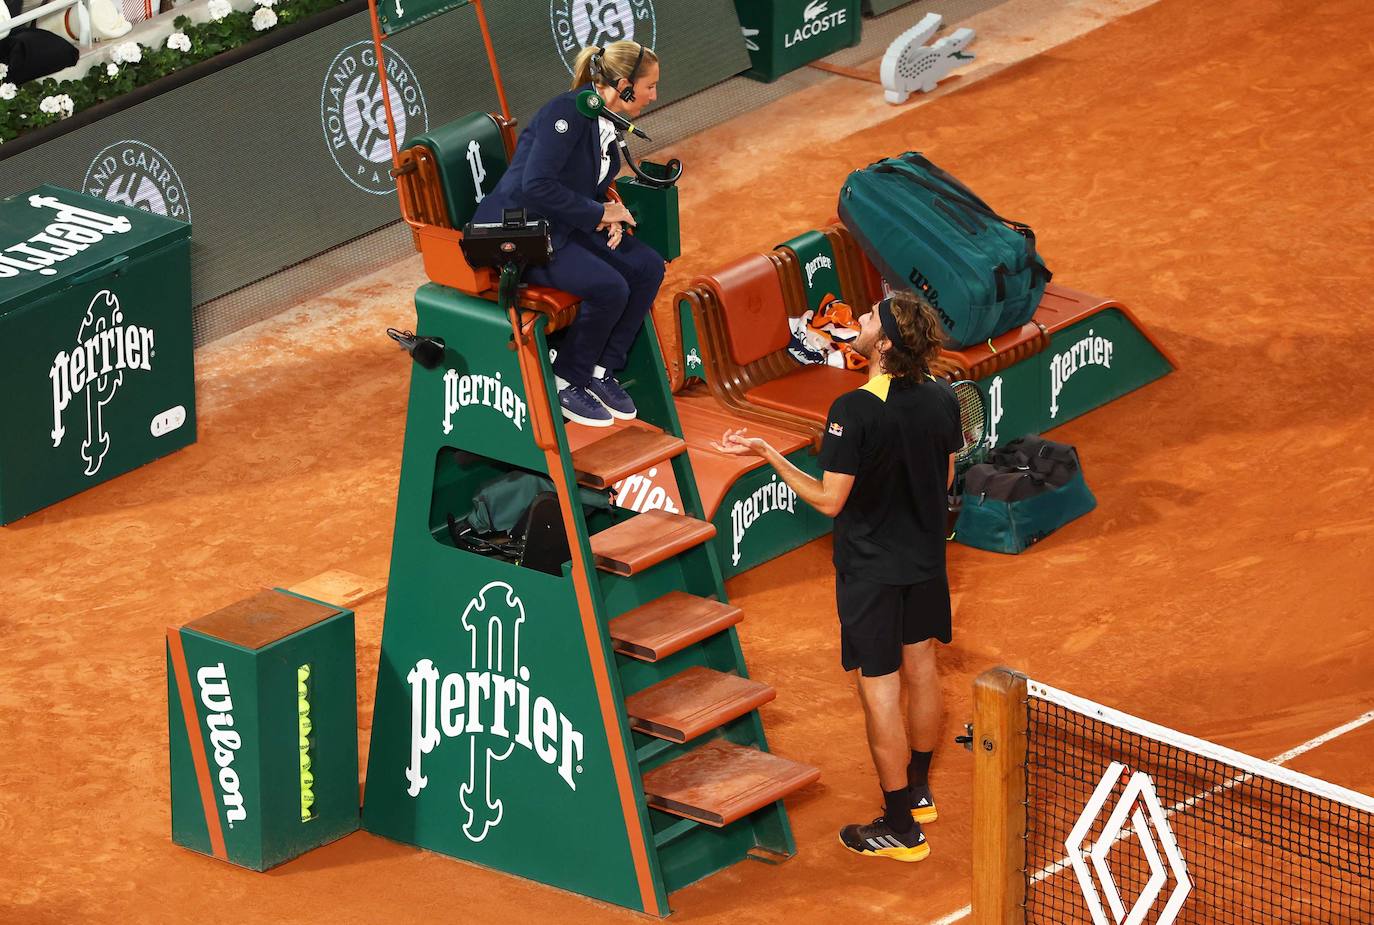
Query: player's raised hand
(735,443)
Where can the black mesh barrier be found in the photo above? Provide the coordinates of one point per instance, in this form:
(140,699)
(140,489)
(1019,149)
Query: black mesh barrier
(1246,848)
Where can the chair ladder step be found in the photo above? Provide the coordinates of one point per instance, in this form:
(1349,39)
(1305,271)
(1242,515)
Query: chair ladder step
(647,539)
(694,701)
(721,782)
(670,624)
(626,451)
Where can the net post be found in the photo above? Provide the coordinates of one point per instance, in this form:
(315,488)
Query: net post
(999,795)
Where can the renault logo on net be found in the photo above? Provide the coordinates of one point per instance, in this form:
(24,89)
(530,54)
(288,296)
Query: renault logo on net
(579,23)
(1149,824)
(135,174)
(353,114)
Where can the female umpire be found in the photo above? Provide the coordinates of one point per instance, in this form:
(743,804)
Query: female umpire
(563,164)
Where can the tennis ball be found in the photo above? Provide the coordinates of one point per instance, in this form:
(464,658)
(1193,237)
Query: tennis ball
(305,760)
(305,743)
(302,706)
(300,690)
(307,781)
(307,800)
(306,726)
(303,673)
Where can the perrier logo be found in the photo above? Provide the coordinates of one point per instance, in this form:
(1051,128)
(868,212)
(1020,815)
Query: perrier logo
(94,370)
(489,704)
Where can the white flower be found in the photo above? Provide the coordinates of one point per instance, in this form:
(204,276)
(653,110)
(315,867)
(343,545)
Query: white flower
(112,70)
(218,9)
(57,105)
(60,105)
(126,53)
(4,72)
(179,41)
(7,91)
(264,19)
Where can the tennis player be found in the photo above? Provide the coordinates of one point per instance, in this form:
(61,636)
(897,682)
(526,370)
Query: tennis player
(887,461)
(563,165)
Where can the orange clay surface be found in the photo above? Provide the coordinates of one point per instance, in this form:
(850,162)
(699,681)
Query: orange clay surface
(1207,163)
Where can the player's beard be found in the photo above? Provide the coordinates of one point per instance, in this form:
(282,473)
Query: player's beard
(866,345)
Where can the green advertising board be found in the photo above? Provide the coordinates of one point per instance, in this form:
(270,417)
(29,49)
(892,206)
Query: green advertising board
(1086,365)
(783,35)
(263,729)
(760,518)
(95,344)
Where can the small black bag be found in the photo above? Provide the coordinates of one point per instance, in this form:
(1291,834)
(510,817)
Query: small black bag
(1023,493)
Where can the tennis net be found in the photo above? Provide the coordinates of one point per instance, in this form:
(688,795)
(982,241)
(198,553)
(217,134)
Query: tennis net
(1121,821)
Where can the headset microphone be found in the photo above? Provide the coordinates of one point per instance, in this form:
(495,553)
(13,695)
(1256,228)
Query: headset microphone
(593,106)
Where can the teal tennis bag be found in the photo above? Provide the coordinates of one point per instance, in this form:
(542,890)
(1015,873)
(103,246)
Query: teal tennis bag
(927,232)
(1023,493)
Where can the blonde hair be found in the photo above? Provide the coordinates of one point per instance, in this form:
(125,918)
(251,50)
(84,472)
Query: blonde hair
(617,60)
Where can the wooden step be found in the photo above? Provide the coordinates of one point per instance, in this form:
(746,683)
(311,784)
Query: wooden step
(721,782)
(670,624)
(694,701)
(623,453)
(647,539)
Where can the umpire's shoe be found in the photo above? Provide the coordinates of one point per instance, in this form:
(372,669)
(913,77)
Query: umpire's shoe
(880,840)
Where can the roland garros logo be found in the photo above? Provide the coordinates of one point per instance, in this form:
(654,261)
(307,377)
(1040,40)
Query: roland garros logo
(579,23)
(138,175)
(353,114)
(488,706)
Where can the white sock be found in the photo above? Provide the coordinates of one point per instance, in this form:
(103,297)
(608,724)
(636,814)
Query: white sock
(599,372)
(561,383)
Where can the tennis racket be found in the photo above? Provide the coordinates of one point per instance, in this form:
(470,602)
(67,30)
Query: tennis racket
(973,420)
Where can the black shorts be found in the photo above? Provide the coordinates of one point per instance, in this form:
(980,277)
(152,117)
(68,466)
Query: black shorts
(877,620)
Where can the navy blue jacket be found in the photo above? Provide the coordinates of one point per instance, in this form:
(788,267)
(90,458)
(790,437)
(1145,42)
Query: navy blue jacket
(553,174)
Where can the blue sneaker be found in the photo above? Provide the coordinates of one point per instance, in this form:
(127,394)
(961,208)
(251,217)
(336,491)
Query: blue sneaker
(614,397)
(582,407)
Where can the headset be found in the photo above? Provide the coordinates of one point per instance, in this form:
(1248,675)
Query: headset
(628,94)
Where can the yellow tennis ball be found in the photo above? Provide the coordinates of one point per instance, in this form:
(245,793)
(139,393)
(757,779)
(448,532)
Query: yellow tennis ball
(302,706)
(305,760)
(303,673)
(306,726)
(307,800)
(301,692)
(307,780)
(305,744)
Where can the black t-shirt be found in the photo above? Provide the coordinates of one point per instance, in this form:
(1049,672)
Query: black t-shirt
(894,436)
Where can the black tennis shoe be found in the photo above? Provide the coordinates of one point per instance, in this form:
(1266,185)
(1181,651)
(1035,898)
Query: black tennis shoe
(923,805)
(879,840)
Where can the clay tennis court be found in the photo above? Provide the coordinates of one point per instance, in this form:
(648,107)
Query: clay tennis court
(1207,164)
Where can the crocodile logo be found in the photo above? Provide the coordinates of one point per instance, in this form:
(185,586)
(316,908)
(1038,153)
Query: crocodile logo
(909,64)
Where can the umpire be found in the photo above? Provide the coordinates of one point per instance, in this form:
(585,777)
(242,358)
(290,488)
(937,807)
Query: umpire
(887,461)
(563,165)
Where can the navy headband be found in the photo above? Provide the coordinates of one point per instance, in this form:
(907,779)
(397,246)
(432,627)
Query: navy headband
(889,322)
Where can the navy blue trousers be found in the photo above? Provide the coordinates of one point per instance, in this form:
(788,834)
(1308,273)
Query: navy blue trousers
(617,289)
